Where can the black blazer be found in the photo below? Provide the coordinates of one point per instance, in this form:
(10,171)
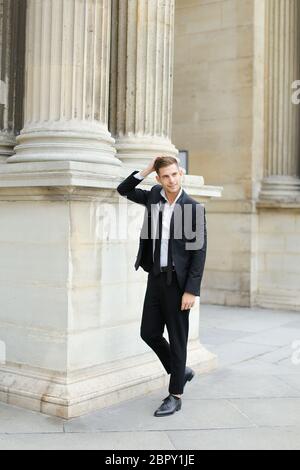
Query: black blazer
(189,264)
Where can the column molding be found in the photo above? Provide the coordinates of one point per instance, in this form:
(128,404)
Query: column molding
(282,142)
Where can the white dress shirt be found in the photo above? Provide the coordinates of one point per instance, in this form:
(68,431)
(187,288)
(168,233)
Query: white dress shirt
(166,224)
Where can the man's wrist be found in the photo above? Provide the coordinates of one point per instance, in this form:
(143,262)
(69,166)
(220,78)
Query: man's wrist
(145,173)
(189,293)
(139,176)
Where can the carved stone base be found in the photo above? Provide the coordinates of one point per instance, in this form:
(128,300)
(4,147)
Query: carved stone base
(92,389)
(280,188)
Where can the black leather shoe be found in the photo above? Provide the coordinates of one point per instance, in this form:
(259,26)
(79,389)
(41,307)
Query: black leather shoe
(169,407)
(189,375)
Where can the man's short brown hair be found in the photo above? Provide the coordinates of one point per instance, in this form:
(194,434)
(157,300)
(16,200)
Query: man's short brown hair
(162,162)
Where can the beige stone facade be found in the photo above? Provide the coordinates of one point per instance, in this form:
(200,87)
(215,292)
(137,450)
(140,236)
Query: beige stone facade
(235,62)
(93,89)
(95,101)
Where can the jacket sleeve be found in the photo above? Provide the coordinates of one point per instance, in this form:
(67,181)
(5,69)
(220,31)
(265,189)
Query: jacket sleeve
(128,189)
(196,270)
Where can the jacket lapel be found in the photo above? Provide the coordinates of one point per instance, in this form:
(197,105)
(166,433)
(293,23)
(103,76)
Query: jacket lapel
(178,230)
(147,226)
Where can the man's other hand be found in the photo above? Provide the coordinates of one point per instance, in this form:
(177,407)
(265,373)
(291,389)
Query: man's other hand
(188,301)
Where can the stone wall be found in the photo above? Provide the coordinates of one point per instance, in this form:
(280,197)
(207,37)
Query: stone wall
(213,120)
(233,113)
(279,258)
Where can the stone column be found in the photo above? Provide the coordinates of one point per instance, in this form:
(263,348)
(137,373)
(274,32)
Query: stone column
(142,79)
(12,40)
(282,162)
(67,84)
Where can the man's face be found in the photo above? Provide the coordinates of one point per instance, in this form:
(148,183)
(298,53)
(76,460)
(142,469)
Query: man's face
(170,178)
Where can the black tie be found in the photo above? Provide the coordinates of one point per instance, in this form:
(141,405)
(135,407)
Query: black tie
(170,259)
(157,251)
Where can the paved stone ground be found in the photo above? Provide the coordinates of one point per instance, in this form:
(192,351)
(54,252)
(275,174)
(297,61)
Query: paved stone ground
(251,402)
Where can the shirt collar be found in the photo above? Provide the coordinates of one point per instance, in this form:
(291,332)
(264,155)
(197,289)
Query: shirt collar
(163,193)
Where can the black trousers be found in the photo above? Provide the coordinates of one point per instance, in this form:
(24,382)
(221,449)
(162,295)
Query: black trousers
(162,308)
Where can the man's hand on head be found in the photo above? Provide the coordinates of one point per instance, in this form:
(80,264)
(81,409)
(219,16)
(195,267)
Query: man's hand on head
(150,168)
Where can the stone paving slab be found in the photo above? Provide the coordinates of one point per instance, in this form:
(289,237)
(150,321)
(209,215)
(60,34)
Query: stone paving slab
(275,337)
(251,402)
(242,385)
(270,411)
(278,355)
(238,352)
(292,380)
(218,336)
(138,415)
(260,367)
(238,439)
(88,441)
(15,420)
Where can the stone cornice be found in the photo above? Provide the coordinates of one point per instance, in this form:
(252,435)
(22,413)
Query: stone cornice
(66,176)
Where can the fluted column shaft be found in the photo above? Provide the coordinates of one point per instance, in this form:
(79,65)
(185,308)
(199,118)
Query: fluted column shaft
(282,162)
(142,79)
(67,83)
(12,40)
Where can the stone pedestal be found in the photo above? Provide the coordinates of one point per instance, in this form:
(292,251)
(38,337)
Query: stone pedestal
(70,298)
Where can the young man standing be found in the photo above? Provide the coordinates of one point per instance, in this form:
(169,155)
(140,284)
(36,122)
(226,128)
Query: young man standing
(173,251)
